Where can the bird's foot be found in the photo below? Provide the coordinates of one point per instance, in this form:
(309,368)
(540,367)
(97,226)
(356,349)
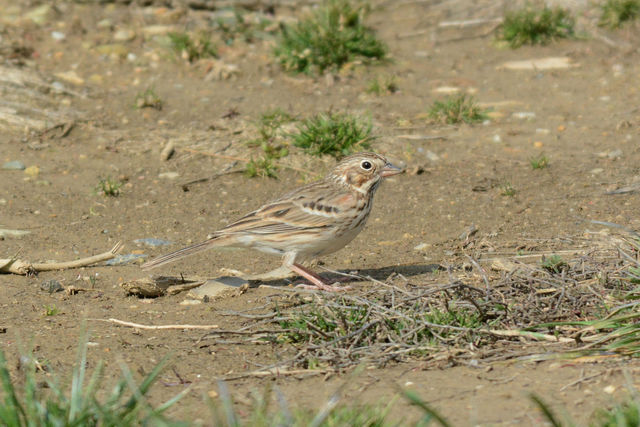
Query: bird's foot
(317,283)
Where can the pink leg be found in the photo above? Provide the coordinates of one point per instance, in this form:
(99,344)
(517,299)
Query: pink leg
(317,282)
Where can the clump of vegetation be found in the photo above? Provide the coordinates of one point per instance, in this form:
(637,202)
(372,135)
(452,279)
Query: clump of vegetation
(457,109)
(553,264)
(108,187)
(332,36)
(506,189)
(243,26)
(625,414)
(51,310)
(270,124)
(261,415)
(263,167)
(195,48)
(269,141)
(536,26)
(148,99)
(539,162)
(382,85)
(348,330)
(87,404)
(335,134)
(616,12)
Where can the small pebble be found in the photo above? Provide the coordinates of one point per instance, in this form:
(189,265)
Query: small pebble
(525,115)
(152,242)
(169,175)
(422,247)
(57,35)
(12,233)
(58,87)
(125,259)
(432,156)
(51,286)
(32,171)
(124,35)
(14,165)
(168,151)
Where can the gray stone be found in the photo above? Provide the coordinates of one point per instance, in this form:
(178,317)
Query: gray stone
(152,242)
(12,233)
(215,288)
(14,165)
(51,286)
(125,259)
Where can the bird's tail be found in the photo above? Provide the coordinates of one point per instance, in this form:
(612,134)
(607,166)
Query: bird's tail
(180,253)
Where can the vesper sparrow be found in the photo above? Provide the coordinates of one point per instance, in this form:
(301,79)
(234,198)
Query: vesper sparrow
(311,221)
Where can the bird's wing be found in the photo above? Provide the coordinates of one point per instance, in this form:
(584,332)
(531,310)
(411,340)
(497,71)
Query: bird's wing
(314,207)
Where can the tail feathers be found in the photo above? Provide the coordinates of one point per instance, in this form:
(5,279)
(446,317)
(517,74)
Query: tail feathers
(180,253)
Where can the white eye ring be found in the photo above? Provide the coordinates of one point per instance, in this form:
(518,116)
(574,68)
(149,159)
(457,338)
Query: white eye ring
(366,165)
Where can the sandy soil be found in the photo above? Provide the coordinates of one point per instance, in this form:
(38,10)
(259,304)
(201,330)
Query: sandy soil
(584,119)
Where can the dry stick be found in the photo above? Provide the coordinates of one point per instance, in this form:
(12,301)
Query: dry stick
(17,266)
(275,372)
(581,379)
(154,327)
(240,159)
(526,334)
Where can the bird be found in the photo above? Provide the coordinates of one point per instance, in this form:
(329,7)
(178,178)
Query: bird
(314,220)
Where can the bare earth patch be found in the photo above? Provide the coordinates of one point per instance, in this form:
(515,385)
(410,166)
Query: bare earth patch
(464,257)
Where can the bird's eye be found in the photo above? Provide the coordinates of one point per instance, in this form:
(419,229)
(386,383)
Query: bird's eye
(366,165)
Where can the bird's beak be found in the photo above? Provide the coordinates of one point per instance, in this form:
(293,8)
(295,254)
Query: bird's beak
(390,170)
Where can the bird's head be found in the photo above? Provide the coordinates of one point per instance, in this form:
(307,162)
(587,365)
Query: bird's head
(363,171)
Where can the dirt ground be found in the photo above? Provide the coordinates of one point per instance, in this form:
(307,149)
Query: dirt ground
(584,119)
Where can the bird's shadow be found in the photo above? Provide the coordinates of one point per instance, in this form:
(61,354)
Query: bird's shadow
(348,276)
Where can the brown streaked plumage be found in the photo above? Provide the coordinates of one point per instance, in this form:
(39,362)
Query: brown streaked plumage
(308,222)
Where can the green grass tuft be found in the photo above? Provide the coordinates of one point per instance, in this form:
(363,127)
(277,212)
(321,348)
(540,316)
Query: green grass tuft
(335,134)
(332,36)
(616,12)
(624,415)
(86,404)
(539,162)
(536,26)
(51,310)
(507,190)
(263,167)
(148,98)
(108,187)
(553,264)
(193,49)
(457,109)
(270,142)
(316,324)
(382,85)
(243,26)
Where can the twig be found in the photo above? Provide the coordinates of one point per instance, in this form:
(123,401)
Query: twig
(526,334)
(275,372)
(154,327)
(581,379)
(17,266)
